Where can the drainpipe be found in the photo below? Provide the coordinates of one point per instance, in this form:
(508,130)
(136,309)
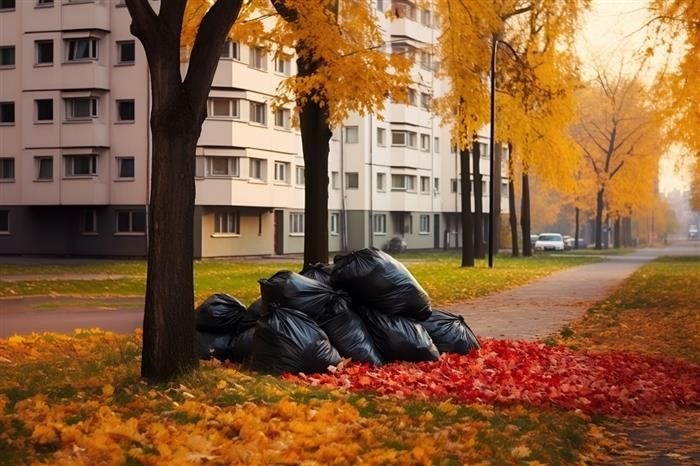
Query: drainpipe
(371,189)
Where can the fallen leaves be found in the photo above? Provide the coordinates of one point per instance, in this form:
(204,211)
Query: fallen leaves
(510,372)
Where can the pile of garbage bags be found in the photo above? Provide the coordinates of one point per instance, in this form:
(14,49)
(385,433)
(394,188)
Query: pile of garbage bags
(366,306)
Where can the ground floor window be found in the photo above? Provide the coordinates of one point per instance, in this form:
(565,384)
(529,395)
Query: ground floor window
(379,224)
(227,221)
(335,223)
(131,221)
(296,223)
(4,222)
(424,224)
(88,222)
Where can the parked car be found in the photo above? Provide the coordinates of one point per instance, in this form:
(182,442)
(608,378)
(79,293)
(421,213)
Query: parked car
(568,242)
(395,244)
(549,242)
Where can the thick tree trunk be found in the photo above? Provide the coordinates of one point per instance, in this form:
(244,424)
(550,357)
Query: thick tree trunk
(315,136)
(478,203)
(576,228)
(513,217)
(525,216)
(599,219)
(617,233)
(168,323)
(467,218)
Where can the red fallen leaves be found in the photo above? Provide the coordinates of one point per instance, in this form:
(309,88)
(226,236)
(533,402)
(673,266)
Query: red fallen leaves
(508,371)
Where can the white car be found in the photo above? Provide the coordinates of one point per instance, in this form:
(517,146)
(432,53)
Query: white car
(549,242)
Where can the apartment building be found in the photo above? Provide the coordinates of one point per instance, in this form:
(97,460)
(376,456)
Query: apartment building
(75,145)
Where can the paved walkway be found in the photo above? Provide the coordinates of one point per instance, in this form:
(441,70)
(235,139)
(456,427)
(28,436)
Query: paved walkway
(529,312)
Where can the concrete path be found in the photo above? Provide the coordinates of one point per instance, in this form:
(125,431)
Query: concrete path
(528,312)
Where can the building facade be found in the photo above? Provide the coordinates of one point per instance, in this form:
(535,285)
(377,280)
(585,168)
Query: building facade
(75,145)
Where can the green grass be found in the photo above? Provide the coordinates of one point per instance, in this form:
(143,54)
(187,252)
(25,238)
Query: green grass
(439,272)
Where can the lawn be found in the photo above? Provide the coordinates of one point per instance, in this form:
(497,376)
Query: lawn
(79,399)
(438,272)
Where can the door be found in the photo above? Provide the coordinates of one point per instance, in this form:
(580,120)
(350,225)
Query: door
(279,232)
(436,231)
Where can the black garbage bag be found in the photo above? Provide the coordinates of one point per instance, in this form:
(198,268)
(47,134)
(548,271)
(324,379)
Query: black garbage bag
(318,271)
(219,313)
(349,335)
(235,348)
(295,291)
(287,340)
(450,332)
(399,338)
(377,280)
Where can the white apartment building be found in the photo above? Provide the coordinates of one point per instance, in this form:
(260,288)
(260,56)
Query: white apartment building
(75,145)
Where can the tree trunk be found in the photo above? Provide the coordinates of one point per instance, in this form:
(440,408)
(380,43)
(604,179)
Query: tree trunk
(576,228)
(478,203)
(525,216)
(467,218)
(599,219)
(617,233)
(315,136)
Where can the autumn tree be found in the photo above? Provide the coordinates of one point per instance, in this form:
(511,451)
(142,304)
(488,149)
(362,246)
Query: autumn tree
(178,109)
(615,133)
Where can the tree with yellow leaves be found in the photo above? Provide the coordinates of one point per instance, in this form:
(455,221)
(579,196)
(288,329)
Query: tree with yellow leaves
(617,136)
(178,109)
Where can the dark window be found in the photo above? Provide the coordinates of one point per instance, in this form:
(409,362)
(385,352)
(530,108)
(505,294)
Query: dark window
(7,112)
(82,49)
(7,4)
(126,110)
(126,167)
(131,221)
(44,52)
(126,51)
(44,168)
(44,109)
(5,221)
(7,169)
(88,222)
(7,56)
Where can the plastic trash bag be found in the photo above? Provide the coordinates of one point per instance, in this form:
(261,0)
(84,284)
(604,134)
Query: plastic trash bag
(377,280)
(292,290)
(450,332)
(318,271)
(219,313)
(349,335)
(399,338)
(225,347)
(287,340)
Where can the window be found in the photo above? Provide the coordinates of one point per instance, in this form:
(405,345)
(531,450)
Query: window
(257,169)
(231,50)
(483,150)
(282,116)
(5,222)
(125,110)
(125,167)
(223,108)
(7,56)
(426,60)
(300,176)
(425,184)
(403,138)
(7,4)
(282,172)
(227,222)
(258,58)
(131,221)
(403,183)
(283,65)
(335,223)
(425,142)
(296,223)
(44,168)
(81,165)
(484,188)
(334,180)
(411,97)
(381,137)
(7,112)
(88,222)
(44,3)
(379,224)
(504,154)
(351,134)
(453,185)
(258,113)
(426,100)
(223,166)
(81,49)
(436,185)
(44,52)
(403,224)
(504,189)
(81,108)
(436,144)
(424,224)
(44,109)
(7,168)
(126,52)
(426,18)
(381,181)
(352,180)
(380,5)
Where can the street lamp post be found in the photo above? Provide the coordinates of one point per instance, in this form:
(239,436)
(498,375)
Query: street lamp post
(492,150)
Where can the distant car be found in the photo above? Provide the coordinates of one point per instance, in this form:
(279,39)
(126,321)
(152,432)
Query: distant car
(693,232)
(396,244)
(533,239)
(549,242)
